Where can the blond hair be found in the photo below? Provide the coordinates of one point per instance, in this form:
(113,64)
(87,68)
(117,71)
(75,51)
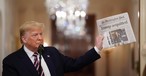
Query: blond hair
(29,25)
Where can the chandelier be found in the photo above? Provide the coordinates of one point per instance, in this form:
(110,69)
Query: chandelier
(70,16)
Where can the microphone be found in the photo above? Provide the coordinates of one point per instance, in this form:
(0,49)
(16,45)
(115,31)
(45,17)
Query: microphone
(40,49)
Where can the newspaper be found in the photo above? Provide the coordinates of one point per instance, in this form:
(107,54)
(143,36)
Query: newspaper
(116,30)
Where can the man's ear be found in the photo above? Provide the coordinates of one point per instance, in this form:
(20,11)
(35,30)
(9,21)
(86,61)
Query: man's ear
(24,39)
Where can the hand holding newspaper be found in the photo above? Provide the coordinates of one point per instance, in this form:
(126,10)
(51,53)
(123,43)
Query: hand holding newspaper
(116,29)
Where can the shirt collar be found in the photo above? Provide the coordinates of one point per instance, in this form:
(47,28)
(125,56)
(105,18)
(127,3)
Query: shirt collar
(28,52)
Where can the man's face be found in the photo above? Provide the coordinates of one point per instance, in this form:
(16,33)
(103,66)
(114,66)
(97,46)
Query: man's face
(33,38)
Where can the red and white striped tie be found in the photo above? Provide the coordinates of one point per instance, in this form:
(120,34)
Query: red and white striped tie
(37,65)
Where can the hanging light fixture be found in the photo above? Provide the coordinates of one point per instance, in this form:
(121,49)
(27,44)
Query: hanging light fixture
(70,16)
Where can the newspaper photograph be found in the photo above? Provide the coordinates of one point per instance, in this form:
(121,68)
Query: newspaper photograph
(116,30)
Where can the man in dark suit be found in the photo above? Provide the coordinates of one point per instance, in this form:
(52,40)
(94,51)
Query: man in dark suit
(49,62)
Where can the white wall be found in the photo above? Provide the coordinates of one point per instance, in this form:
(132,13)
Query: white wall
(1,32)
(142,35)
(0,41)
(6,33)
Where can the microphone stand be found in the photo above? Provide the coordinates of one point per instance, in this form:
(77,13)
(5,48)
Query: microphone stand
(40,50)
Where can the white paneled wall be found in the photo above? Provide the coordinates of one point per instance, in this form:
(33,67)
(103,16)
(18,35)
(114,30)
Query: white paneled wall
(1,33)
(143,36)
(0,42)
(6,27)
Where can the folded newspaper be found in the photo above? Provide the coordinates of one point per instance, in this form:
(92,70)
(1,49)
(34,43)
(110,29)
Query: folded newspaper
(116,30)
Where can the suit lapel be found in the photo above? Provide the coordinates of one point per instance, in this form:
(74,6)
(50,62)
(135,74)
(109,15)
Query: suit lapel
(48,60)
(27,63)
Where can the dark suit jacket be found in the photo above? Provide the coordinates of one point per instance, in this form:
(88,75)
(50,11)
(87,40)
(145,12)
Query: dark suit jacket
(19,64)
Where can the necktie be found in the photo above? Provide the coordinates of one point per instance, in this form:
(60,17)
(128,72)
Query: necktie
(37,65)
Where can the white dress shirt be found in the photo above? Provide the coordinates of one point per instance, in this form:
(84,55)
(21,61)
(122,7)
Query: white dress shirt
(43,63)
(96,49)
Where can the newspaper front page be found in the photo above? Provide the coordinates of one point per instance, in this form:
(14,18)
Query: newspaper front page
(116,30)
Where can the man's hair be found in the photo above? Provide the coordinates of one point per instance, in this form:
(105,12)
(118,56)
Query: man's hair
(29,25)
